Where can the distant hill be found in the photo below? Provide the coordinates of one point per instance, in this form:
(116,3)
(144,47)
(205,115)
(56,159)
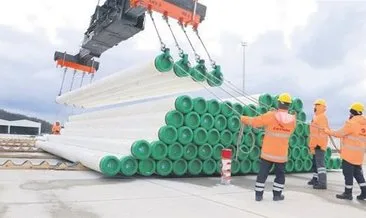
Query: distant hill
(5,115)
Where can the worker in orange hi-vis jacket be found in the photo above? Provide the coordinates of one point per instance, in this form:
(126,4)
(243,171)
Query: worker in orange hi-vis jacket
(279,125)
(318,145)
(353,144)
(56,128)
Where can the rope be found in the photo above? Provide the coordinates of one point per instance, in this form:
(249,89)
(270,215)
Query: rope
(163,46)
(213,64)
(181,52)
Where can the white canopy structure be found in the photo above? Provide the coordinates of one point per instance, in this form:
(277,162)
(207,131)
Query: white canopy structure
(19,123)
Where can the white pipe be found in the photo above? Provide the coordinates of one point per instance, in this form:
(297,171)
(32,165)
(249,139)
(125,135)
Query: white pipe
(150,107)
(87,157)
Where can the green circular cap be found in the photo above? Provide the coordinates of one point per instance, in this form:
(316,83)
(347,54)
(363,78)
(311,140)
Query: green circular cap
(159,150)
(207,121)
(299,165)
(199,72)
(233,150)
(235,167)
(164,167)
(257,130)
(250,110)
(328,152)
(213,107)
(305,152)
(184,104)
(226,109)
(209,167)
(168,134)
(265,100)
(294,141)
(290,166)
(217,152)
(180,167)
(215,77)
(192,120)
(174,118)
(299,129)
(261,110)
(175,151)
(259,139)
(297,104)
(301,116)
(233,123)
(295,153)
(306,130)
(301,141)
(236,138)
(182,67)
(200,136)
(329,163)
(218,167)
(190,152)
(308,164)
(205,152)
(147,167)
(164,62)
(238,108)
(199,105)
(185,135)
(337,163)
(195,166)
(226,137)
(213,136)
(243,152)
(220,122)
(254,155)
(249,139)
(109,165)
(140,149)
(255,166)
(245,166)
(129,166)
(275,101)
(248,129)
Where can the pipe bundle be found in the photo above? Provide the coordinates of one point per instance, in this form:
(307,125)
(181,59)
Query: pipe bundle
(175,137)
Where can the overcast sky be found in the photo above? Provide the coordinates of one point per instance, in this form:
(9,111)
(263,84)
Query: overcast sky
(309,48)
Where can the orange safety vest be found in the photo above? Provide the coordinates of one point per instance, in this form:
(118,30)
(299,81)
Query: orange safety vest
(279,125)
(56,129)
(317,135)
(353,140)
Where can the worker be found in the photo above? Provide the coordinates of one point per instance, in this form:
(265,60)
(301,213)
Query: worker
(353,141)
(318,145)
(56,128)
(279,125)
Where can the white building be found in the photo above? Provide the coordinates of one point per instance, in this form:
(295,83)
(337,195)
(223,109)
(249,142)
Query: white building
(18,126)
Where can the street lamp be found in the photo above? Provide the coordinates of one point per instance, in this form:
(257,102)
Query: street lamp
(244,44)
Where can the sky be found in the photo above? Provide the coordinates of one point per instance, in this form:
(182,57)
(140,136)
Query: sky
(311,49)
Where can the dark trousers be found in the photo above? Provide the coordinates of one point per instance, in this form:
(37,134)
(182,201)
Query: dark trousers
(351,171)
(319,169)
(279,182)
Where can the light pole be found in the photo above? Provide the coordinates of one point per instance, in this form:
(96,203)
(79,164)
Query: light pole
(243,43)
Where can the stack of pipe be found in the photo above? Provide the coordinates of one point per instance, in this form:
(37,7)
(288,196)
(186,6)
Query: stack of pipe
(175,137)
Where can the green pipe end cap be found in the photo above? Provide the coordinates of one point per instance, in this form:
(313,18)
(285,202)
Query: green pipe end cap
(141,149)
(266,100)
(235,167)
(129,166)
(175,151)
(226,137)
(190,152)
(184,104)
(226,109)
(213,107)
(215,77)
(290,166)
(200,105)
(164,62)
(220,122)
(217,152)
(205,152)
(174,118)
(255,166)
(199,72)
(299,165)
(254,155)
(233,123)
(159,150)
(185,135)
(209,167)
(164,167)
(168,134)
(192,120)
(245,166)
(180,167)
(238,108)
(195,166)
(182,67)
(147,167)
(200,136)
(207,121)
(109,165)
(213,136)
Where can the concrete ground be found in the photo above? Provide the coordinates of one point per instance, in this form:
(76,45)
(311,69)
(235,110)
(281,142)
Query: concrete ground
(69,194)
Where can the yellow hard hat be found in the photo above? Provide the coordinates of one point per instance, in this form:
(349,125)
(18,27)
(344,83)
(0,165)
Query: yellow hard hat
(285,97)
(321,102)
(357,106)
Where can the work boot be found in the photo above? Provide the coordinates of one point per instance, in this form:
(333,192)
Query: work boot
(258,198)
(277,196)
(313,181)
(362,196)
(344,196)
(319,186)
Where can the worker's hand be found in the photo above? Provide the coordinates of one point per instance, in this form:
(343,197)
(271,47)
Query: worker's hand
(244,119)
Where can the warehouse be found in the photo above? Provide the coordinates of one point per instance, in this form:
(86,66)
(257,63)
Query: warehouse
(20,127)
